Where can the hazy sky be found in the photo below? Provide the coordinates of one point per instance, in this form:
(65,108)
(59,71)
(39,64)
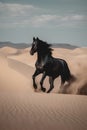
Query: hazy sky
(55,21)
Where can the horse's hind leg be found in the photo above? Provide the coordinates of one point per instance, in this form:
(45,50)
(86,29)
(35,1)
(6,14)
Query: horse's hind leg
(41,82)
(62,84)
(51,81)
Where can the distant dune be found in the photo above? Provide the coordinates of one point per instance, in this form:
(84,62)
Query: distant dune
(64,45)
(14,45)
(22,108)
(24,45)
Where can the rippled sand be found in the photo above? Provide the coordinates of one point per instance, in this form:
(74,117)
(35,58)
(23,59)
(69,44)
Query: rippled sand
(21,108)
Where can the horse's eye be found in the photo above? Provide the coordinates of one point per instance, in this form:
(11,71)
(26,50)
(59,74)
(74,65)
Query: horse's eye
(33,44)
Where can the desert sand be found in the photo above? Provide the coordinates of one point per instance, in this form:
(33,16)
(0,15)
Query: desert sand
(22,108)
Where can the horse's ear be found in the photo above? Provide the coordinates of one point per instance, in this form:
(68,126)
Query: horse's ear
(37,38)
(33,38)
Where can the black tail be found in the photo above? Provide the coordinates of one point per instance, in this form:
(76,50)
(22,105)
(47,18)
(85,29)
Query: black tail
(67,74)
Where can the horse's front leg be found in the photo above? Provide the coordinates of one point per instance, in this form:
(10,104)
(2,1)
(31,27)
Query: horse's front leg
(37,72)
(41,82)
(51,81)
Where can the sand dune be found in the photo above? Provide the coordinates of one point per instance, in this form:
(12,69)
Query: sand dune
(76,60)
(10,78)
(21,108)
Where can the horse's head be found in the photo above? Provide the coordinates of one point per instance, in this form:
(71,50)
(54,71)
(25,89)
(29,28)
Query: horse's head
(40,46)
(34,46)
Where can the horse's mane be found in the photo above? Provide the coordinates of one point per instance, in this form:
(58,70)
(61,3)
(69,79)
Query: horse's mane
(45,48)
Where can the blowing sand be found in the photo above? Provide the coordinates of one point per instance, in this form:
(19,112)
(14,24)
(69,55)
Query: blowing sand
(21,108)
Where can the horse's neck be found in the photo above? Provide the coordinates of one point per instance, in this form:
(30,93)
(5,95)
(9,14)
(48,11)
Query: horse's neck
(42,59)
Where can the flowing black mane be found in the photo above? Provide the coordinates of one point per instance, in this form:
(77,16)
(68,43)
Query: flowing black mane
(44,47)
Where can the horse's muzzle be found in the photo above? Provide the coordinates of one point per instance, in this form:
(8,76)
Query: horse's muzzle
(31,52)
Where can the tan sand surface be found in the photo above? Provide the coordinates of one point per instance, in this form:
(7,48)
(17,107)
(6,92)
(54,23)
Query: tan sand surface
(21,108)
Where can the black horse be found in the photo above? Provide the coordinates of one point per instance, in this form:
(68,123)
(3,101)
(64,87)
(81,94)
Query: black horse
(48,65)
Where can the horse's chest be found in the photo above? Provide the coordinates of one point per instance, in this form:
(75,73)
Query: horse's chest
(40,63)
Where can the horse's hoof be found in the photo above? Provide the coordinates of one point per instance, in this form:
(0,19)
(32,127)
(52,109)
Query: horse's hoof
(35,86)
(48,91)
(43,89)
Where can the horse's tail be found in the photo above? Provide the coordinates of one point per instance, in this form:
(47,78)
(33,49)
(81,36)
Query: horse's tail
(67,74)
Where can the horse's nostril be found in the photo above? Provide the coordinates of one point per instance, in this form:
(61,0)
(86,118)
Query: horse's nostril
(31,52)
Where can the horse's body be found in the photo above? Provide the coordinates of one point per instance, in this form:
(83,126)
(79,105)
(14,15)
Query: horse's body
(48,65)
